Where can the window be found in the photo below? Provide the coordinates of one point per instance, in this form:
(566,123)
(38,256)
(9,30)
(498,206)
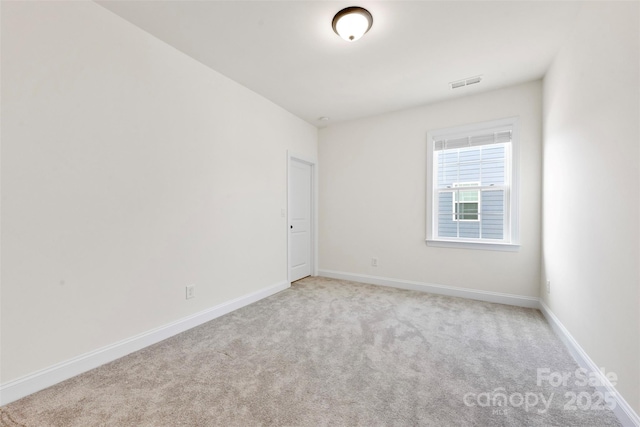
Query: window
(471,186)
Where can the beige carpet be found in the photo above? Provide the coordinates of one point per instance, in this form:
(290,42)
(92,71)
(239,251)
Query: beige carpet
(331,353)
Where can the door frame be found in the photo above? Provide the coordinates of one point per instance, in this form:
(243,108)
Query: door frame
(313,163)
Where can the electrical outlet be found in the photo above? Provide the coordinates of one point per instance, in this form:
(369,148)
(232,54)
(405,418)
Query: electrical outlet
(374,262)
(548,286)
(191,291)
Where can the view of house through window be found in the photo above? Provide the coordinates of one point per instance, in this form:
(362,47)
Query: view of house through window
(471,184)
(466,202)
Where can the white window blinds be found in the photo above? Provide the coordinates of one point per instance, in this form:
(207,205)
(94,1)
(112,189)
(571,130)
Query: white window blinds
(473,141)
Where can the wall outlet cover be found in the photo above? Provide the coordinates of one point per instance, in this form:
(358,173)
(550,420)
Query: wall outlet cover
(191,291)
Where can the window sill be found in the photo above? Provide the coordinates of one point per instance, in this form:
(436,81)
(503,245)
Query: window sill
(503,247)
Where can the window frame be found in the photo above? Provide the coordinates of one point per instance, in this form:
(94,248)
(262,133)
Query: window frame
(512,241)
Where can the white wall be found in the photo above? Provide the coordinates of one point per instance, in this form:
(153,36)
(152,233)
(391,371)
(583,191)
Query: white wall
(372,196)
(129,171)
(592,189)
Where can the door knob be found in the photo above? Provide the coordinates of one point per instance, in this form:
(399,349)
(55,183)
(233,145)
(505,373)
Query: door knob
(291,226)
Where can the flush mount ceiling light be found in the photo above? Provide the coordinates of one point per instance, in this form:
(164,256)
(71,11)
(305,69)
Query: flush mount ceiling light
(352,23)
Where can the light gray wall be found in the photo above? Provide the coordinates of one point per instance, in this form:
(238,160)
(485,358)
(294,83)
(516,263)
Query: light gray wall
(592,189)
(372,196)
(129,171)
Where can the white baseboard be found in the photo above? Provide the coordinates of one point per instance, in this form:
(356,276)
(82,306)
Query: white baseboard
(21,387)
(497,297)
(626,415)
(40,380)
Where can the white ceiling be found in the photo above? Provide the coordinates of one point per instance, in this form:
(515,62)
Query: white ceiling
(287,51)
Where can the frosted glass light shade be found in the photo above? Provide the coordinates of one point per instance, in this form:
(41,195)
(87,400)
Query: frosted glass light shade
(352,23)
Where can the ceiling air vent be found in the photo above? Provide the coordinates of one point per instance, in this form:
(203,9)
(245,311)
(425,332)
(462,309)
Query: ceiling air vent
(465,82)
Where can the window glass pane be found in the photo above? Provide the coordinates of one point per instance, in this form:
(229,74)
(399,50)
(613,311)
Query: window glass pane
(470,154)
(493,152)
(493,165)
(447,166)
(469,172)
(447,227)
(468,196)
(469,229)
(492,215)
(467,211)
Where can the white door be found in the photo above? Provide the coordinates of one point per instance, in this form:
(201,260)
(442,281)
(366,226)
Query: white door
(299,220)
